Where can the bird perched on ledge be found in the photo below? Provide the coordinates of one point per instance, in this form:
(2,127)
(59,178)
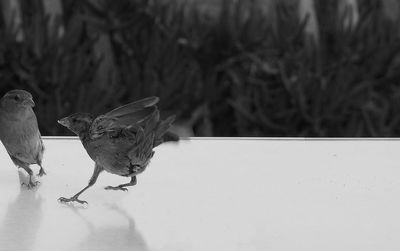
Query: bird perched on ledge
(19,132)
(120,141)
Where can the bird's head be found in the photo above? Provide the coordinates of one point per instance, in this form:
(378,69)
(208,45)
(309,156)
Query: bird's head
(17,99)
(78,123)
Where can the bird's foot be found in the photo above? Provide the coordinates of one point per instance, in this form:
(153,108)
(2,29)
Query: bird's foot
(41,172)
(31,184)
(72,199)
(116,188)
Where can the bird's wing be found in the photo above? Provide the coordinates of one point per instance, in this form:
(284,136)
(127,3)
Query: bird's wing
(107,123)
(129,114)
(133,107)
(135,117)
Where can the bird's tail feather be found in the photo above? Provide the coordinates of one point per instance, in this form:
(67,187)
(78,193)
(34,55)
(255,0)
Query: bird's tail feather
(169,136)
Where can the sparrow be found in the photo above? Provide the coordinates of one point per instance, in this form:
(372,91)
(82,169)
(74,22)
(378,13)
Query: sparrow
(121,141)
(19,132)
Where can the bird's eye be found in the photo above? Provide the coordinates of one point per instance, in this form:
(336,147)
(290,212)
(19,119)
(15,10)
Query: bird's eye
(16,98)
(74,120)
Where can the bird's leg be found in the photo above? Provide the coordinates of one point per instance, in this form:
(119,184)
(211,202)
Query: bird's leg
(95,175)
(122,186)
(75,197)
(31,184)
(41,171)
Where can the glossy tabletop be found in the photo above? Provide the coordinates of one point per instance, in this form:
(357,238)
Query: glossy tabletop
(212,194)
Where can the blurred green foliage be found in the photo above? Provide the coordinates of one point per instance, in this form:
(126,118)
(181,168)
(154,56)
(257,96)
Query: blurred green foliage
(238,72)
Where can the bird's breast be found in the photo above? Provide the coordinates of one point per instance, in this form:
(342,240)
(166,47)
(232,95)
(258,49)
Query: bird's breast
(21,137)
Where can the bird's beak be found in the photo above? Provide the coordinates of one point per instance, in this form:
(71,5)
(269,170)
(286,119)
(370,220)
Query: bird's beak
(30,102)
(64,122)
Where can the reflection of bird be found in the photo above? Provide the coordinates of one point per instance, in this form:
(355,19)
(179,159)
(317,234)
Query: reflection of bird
(112,236)
(19,131)
(22,220)
(120,141)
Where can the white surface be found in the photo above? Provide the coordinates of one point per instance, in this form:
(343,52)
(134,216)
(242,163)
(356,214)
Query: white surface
(213,195)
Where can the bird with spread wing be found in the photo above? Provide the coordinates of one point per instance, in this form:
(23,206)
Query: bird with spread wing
(121,141)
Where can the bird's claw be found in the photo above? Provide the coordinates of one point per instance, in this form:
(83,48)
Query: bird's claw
(65,200)
(31,184)
(116,188)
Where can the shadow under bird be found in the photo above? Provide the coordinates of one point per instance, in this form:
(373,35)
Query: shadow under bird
(121,141)
(19,132)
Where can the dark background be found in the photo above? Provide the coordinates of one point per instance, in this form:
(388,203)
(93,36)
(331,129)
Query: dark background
(240,68)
